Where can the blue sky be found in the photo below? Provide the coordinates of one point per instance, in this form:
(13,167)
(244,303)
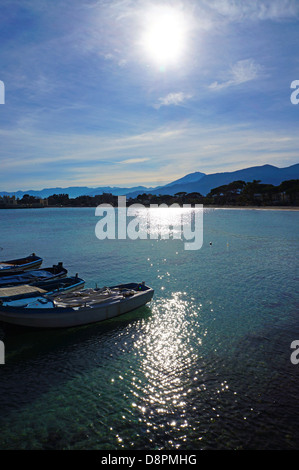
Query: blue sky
(123,93)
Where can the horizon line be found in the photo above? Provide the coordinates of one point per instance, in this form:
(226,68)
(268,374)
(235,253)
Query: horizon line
(149,187)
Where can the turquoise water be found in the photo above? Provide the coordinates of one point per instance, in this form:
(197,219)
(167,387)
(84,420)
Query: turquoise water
(205,365)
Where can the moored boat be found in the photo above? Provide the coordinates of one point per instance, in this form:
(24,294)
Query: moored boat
(31,277)
(21,264)
(78,308)
(21,294)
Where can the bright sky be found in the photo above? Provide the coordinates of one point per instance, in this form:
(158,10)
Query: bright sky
(130,92)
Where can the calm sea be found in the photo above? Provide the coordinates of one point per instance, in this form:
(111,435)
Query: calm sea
(205,365)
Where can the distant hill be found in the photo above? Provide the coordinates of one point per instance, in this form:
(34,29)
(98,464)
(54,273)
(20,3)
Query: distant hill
(266,174)
(190,178)
(75,191)
(192,182)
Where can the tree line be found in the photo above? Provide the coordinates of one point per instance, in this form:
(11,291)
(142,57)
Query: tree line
(237,193)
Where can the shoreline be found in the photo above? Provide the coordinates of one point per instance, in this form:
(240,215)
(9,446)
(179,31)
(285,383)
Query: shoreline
(262,208)
(207,206)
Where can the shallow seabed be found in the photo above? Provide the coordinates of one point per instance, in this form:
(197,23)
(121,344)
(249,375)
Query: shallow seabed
(205,365)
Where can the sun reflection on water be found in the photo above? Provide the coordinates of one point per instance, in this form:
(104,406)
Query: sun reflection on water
(167,352)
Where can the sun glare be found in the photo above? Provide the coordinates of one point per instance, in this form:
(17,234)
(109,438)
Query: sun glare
(164,36)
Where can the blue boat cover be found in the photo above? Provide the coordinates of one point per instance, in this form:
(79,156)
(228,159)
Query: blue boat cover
(25,277)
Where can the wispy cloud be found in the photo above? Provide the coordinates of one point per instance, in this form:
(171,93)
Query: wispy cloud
(175,99)
(85,103)
(156,157)
(133,160)
(239,10)
(241,72)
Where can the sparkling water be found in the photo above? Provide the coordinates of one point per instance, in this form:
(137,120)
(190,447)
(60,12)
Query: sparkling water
(205,365)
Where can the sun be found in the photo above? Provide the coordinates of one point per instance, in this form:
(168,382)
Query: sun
(164,37)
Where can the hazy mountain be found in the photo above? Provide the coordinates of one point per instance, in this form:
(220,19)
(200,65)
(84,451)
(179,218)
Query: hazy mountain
(75,191)
(265,173)
(190,178)
(193,182)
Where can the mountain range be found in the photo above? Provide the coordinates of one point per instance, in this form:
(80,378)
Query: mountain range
(202,183)
(192,182)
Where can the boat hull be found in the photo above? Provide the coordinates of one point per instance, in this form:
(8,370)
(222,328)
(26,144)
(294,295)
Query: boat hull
(32,276)
(21,264)
(65,317)
(21,294)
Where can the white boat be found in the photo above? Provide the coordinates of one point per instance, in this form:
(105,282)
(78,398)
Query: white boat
(77,308)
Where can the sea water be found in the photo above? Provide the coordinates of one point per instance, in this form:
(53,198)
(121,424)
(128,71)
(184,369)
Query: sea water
(205,365)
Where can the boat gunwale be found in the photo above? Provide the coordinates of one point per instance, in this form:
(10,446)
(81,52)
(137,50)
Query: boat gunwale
(55,272)
(21,263)
(71,283)
(22,311)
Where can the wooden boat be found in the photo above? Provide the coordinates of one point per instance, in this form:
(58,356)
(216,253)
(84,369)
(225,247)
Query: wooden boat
(14,278)
(20,295)
(77,308)
(21,264)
